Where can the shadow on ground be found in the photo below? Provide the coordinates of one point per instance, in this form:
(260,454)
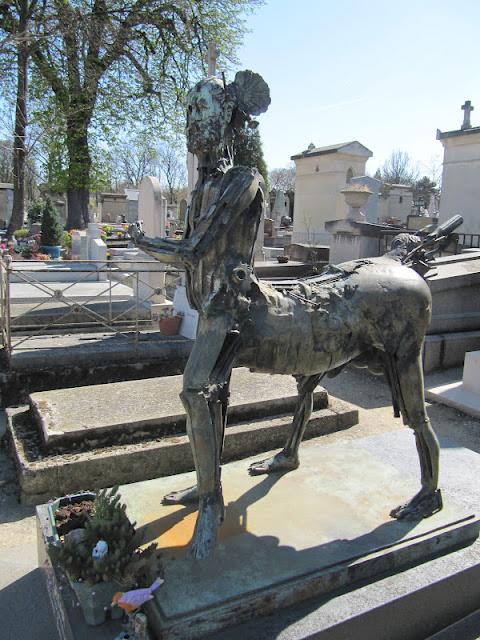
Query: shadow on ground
(24,614)
(359,387)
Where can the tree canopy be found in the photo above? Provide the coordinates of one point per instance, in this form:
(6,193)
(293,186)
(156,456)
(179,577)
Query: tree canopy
(98,65)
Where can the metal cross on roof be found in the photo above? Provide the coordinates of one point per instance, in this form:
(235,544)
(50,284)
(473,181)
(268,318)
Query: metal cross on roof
(467,110)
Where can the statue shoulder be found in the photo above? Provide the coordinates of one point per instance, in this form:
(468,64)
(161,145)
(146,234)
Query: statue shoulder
(246,175)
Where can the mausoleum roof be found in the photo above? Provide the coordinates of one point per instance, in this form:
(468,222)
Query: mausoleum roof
(332,148)
(6,185)
(458,132)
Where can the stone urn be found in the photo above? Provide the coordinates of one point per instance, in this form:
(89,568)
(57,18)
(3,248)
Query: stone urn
(356,196)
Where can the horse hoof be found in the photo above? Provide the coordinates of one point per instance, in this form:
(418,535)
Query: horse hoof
(279,462)
(184,496)
(419,507)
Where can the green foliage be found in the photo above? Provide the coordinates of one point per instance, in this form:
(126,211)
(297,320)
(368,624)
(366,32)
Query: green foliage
(124,563)
(66,240)
(423,190)
(248,152)
(51,233)
(35,211)
(20,233)
(98,67)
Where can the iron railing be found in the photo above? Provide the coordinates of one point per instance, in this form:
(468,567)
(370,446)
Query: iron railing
(121,304)
(468,241)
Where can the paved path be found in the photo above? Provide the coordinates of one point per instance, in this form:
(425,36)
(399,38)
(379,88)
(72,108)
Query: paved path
(23,602)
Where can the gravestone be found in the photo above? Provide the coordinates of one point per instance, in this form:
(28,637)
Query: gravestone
(76,244)
(152,207)
(182,210)
(281,207)
(96,247)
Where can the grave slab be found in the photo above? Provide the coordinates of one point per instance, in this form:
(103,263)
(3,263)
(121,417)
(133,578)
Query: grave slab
(70,415)
(42,477)
(463,394)
(456,395)
(289,537)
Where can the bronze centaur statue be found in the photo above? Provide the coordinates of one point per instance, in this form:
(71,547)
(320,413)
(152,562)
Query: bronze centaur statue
(373,311)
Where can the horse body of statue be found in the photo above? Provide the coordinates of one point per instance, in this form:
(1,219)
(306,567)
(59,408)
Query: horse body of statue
(370,312)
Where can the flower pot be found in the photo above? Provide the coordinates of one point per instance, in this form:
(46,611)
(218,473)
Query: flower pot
(62,502)
(95,600)
(170,326)
(54,251)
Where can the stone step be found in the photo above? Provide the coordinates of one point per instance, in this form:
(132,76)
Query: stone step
(128,411)
(44,475)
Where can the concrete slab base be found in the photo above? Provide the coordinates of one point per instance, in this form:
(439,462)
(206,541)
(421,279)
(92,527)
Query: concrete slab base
(411,604)
(289,537)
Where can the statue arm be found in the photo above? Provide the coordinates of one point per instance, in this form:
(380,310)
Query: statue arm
(174,252)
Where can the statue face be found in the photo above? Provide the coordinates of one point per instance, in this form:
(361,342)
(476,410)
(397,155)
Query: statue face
(208,114)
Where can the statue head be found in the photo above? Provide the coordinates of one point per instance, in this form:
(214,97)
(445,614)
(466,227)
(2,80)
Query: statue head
(216,109)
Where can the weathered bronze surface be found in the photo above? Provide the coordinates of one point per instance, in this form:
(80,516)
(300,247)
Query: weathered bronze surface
(372,312)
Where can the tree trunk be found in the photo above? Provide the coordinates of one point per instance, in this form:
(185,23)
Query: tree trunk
(77,205)
(79,165)
(19,147)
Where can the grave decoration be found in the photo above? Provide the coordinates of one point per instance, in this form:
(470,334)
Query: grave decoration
(98,549)
(372,312)
(52,232)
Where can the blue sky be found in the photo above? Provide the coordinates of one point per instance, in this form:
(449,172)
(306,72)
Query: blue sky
(384,73)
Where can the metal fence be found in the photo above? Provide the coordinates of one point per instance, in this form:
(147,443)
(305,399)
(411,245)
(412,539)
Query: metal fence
(60,297)
(469,240)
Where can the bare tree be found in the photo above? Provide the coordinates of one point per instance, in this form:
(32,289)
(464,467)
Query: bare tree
(172,169)
(14,26)
(6,161)
(398,169)
(133,159)
(283,179)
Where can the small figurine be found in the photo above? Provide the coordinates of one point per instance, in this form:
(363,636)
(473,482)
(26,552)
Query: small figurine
(100,550)
(131,600)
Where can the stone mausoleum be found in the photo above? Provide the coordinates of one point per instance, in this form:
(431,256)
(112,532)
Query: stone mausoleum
(461,171)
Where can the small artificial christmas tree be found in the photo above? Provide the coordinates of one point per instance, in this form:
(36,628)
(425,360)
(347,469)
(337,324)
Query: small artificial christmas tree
(51,233)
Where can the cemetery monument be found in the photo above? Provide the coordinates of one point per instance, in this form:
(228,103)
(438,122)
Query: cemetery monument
(372,312)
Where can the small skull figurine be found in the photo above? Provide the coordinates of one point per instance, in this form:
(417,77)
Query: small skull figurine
(100,550)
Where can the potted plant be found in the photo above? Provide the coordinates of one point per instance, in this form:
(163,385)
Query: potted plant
(51,233)
(169,325)
(98,550)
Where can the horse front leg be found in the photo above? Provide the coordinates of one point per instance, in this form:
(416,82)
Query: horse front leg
(288,459)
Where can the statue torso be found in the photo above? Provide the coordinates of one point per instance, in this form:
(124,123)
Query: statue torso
(212,285)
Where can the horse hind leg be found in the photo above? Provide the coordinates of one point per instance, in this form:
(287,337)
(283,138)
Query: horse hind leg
(406,379)
(287,459)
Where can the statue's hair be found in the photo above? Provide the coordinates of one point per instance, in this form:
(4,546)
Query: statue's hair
(251,92)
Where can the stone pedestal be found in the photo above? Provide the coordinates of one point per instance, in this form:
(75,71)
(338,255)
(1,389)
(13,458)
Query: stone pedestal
(289,537)
(352,240)
(323,531)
